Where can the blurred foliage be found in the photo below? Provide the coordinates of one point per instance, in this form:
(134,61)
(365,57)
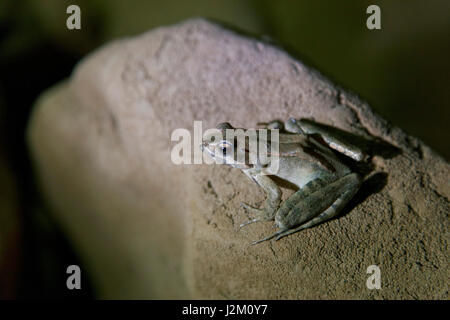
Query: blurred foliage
(402,70)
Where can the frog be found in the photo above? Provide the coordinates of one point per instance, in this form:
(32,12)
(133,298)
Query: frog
(307,158)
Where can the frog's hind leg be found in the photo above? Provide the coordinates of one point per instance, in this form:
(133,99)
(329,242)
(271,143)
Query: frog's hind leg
(329,213)
(298,196)
(349,184)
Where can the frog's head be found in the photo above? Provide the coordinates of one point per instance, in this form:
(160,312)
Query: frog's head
(223,149)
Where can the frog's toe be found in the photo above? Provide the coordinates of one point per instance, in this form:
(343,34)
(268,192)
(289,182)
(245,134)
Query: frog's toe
(258,213)
(248,222)
(255,211)
(248,207)
(275,235)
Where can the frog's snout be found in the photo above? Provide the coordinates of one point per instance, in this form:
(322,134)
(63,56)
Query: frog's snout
(205,148)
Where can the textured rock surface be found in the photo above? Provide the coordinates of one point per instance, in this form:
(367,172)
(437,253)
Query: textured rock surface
(147,228)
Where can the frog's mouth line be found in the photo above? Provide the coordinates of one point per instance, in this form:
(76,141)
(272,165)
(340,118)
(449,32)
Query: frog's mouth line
(204,147)
(235,164)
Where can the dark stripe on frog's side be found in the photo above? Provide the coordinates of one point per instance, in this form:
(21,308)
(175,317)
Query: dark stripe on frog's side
(305,153)
(321,159)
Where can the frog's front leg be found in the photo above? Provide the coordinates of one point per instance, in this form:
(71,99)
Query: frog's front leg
(318,201)
(273,199)
(309,127)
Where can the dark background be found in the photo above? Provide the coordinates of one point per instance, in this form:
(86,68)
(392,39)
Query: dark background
(402,70)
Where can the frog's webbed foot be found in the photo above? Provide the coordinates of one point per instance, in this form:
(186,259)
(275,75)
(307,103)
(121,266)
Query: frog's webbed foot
(260,214)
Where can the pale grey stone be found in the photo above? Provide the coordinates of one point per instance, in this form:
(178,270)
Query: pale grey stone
(146,228)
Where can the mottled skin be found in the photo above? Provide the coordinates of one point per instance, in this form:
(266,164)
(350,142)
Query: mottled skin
(305,160)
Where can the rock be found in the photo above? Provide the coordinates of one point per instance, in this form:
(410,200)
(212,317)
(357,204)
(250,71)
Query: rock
(147,228)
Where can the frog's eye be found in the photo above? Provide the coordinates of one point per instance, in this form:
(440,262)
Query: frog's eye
(223,146)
